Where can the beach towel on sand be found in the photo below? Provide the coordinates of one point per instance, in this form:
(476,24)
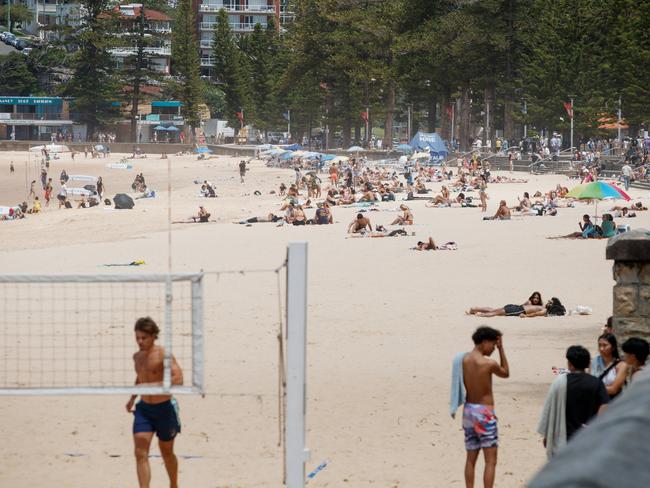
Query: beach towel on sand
(132,263)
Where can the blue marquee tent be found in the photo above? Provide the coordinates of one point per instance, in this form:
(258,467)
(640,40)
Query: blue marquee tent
(431,142)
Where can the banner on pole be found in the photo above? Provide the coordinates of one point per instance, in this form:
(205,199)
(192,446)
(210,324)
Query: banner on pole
(569,109)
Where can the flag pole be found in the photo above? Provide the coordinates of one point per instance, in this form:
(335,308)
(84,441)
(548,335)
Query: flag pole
(619,121)
(289,123)
(572,114)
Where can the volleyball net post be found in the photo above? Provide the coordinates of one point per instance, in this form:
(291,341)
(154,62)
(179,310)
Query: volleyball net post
(296,453)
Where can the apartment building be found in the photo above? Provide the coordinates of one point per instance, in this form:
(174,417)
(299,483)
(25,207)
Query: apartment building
(158,23)
(242,15)
(50,13)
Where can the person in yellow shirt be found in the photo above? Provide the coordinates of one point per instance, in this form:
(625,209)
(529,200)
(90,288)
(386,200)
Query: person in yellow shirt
(37,206)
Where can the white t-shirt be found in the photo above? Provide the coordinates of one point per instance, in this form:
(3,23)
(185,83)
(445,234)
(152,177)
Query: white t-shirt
(626,170)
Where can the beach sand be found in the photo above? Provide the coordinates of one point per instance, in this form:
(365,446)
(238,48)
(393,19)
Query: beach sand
(383,325)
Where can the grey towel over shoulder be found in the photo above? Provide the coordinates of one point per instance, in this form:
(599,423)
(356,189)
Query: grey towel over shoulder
(612,451)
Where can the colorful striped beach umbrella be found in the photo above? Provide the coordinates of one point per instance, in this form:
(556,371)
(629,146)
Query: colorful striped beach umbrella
(597,190)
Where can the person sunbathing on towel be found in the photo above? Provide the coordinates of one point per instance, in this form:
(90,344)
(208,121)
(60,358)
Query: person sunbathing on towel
(430,245)
(552,308)
(359,224)
(254,220)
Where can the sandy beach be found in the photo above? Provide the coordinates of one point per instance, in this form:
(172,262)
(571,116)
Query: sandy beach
(384,323)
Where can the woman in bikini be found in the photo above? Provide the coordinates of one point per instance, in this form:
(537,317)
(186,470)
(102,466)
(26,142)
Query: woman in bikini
(531,308)
(405,219)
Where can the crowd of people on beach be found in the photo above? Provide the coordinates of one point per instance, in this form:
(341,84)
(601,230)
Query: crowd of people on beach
(582,391)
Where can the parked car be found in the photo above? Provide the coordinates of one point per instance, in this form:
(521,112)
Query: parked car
(21,44)
(12,41)
(7,37)
(27,50)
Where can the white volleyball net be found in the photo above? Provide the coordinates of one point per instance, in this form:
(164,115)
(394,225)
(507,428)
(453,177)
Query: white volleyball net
(73,334)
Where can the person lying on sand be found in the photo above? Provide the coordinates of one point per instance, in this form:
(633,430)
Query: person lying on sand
(405,219)
(552,307)
(359,225)
(624,212)
(255,220)
(535,299)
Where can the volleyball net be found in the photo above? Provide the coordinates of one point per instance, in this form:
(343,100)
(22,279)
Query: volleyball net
(74,334)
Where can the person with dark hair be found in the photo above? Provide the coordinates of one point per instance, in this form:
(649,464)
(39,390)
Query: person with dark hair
(359,224)
(572,401)
(479,418)
(510,310)
(153,413)
(608,367)
(534,299)
(609,326)
(636,352)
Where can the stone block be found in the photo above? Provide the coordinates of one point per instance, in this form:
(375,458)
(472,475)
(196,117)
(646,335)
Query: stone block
(644,301)
(624,328)
(644,274)
(625,300)
(630,246)
(626,272)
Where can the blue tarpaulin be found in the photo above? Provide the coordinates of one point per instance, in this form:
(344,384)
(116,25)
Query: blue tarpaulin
(431,142)
(293,147)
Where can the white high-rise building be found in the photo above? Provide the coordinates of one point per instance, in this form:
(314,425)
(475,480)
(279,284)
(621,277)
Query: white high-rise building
(242,14)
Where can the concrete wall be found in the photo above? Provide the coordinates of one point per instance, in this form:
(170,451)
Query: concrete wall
(118,147)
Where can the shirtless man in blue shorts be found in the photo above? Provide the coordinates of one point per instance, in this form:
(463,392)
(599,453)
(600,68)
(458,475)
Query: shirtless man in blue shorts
(479,418)
(153,413)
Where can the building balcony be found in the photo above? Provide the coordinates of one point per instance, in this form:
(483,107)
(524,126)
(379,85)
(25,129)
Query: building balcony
(122,52)
(205,43)
(242,9)
(235,26)
(47,8)
(207,61)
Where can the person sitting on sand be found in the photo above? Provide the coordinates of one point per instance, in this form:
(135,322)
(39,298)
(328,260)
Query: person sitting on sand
(83,203)
(299,217)
(348,198)
(36,208)
(323,214)
(283,189)
(587,229)
(405,219)
(608,227)
(524,203)
(443,198)
(502,213)
(368,196)
(359,224)
(202,216)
